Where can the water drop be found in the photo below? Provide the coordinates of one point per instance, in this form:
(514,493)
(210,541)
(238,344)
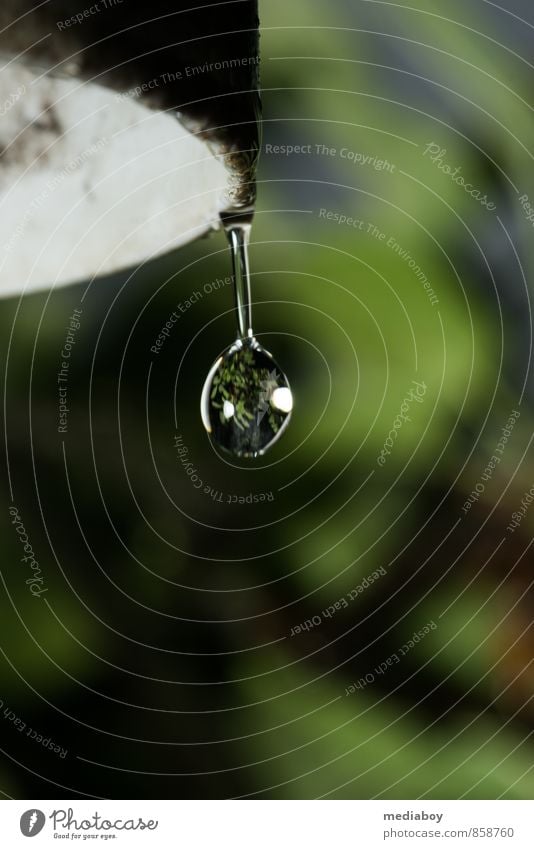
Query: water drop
(246,401)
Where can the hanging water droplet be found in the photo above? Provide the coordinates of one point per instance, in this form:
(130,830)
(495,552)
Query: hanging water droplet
(246,402)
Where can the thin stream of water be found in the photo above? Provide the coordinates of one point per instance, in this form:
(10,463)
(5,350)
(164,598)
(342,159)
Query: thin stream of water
(238,236)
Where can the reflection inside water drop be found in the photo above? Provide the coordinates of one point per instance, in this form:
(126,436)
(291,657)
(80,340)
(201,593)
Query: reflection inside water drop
(246,401)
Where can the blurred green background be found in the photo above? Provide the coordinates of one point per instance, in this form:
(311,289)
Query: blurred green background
(161,656)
